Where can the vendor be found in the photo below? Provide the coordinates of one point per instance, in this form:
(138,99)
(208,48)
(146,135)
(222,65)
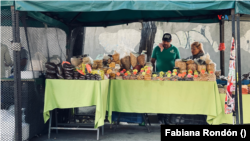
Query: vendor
(197,50)
(165,54)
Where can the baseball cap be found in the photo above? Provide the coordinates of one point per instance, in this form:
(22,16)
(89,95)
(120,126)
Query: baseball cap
(167,37)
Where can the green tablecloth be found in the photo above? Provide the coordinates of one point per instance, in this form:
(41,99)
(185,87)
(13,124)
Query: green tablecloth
(170,97)
(76,93)
(223,118)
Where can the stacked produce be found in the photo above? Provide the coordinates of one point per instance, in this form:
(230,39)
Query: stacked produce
(51,71)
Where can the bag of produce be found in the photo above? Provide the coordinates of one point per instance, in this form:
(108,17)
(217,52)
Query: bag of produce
(59,69)
(140,77)
(142,59)
(50,65)
(211,77)
(116,56)
(183,71)
(204,77)
(112,76)
(221,90)
(133,59)
(75,61)
(181,65)
(192,67)
(126,62)
(87,60)
(190,61)
(147,77)
(211,67)
(244,89)
(201,67)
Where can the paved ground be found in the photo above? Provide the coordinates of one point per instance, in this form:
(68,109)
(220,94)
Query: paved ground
(131,132)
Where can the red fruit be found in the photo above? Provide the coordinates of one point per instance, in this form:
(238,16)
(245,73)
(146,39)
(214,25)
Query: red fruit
(138,67)
(148,71)
(135,72)
(124,70)
(126,74)
(195,75)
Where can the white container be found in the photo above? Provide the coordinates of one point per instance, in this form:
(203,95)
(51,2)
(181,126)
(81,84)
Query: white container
(25,131)
(29,74)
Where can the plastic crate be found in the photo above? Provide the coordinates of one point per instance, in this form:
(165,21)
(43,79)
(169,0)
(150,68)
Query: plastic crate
(245,82)
(128,117)
(221,82)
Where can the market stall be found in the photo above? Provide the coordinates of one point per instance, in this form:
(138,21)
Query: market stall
(74,14)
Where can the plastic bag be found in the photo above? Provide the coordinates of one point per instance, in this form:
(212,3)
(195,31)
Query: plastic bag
(211,67)
(50,65)
(106,57)
(116,56)
(141,59)
(133,59)
(126,62)
(87,60)
(190,61)
(181,65)
(75,61)
(192,67)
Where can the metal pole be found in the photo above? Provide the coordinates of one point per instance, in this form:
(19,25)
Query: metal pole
(17,75)
(239,68)
(222,52)
(236,114)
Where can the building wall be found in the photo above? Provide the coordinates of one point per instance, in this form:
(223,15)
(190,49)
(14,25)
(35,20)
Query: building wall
(126,38)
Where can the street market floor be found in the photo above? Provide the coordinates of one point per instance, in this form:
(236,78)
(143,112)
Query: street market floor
(128,132)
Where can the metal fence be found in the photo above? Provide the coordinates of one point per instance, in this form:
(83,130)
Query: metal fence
(39,44)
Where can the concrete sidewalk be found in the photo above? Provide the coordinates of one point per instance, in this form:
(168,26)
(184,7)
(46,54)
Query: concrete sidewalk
(130,132)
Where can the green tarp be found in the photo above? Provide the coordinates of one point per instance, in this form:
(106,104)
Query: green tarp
(106,13)
(242,7)
(114,5)
(7,3)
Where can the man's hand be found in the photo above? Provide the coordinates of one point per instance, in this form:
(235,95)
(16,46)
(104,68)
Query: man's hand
(161,46)
(153,63)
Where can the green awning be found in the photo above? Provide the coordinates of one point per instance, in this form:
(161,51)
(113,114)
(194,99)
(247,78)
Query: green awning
(242,7)
(7,3)
(106,13)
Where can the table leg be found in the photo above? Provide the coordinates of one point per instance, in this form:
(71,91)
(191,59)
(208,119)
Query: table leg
(50,119)
(103,130)
(148,120)
(118,120)
(98,134)
(145,120)
(56,121)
